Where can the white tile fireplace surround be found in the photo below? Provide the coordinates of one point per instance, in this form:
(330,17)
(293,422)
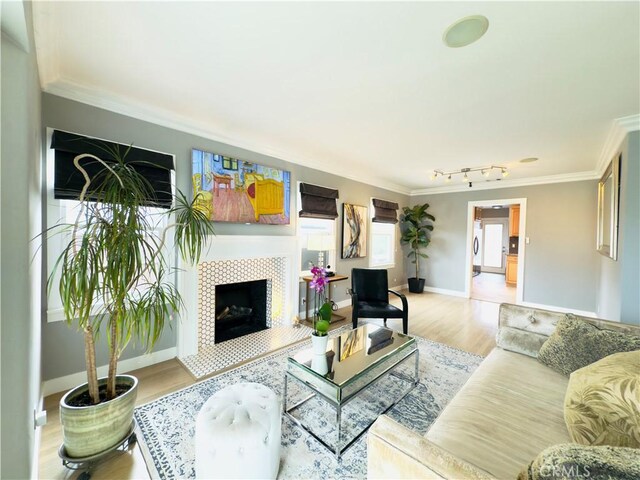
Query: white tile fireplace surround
(232,259)
(224,272)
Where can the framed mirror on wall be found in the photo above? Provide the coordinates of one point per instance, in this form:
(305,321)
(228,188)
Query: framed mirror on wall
(608,199)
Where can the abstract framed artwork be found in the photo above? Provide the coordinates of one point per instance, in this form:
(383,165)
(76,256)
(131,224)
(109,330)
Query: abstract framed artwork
(231,190)
(354,231)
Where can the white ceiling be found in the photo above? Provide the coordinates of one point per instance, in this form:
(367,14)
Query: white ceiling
(364,90)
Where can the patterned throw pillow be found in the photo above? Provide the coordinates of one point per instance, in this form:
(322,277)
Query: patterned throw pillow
(602,404)
(575,344)
(568,461)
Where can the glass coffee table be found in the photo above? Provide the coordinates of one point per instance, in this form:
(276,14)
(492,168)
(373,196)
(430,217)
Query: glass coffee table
(353,361)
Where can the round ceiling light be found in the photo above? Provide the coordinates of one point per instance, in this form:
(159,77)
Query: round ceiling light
(465,31)
(529,160)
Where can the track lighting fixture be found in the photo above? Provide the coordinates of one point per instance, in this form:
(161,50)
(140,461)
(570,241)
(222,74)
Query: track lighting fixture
(485,171)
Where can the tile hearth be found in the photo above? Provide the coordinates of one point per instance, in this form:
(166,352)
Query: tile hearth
(213,358)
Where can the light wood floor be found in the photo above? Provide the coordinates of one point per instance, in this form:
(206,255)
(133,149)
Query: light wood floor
(492,287)
(462,323)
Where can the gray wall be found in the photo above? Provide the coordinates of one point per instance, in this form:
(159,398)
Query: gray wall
(20,282)
(359,194)
(560,262)
(62,347)
(630,232)
(609,297)
(618,281)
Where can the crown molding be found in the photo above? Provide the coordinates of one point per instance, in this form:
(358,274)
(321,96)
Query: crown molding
(630,123)
(72,91)
(46,42)
(620,127)
(525,182)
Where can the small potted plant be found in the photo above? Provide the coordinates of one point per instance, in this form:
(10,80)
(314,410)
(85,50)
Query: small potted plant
(322,310)
(416,233)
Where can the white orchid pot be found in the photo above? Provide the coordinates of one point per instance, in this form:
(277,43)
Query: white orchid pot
(319,344)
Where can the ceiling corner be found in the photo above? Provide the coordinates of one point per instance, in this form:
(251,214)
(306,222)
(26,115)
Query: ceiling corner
(46,43)
(619,129)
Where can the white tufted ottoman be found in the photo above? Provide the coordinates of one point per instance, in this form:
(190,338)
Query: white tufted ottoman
(238,433)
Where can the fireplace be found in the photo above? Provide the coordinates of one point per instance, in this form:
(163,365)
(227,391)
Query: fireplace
(224,273)
(240,309)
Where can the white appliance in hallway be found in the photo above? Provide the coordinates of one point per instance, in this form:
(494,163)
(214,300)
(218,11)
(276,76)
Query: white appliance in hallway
(477,247)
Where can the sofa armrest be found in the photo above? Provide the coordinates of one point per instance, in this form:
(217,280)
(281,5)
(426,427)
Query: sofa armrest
(394,451)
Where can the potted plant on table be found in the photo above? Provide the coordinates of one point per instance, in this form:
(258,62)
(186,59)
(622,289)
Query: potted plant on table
(416,228)
(114,272)
(322,309)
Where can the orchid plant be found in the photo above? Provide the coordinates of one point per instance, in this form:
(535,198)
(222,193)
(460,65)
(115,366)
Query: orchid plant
(322,315)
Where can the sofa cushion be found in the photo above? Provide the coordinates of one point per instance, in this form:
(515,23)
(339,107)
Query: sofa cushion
(602,404)
(576,344)
(570,461)
(508,411)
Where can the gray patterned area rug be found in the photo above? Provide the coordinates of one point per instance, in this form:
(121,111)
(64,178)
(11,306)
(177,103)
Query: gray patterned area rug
(166,427)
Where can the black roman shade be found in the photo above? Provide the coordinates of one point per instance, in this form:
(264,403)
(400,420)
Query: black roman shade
(318,202)
(69,181)
(385,212)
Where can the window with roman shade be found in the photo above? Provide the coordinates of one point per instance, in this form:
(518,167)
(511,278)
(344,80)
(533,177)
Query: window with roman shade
(155,167)
(384,211)
(318,202)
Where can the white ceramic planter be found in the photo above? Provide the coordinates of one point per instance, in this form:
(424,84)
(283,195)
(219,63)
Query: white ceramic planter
(319,344)
(319,364)
(87,431)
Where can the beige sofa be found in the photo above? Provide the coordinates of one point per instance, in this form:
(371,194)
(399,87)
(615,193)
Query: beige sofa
(509,410)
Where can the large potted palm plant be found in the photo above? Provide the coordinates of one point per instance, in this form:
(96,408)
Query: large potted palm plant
(416,228)
(115,274)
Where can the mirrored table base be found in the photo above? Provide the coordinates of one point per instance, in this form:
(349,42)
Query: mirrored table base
(337,449)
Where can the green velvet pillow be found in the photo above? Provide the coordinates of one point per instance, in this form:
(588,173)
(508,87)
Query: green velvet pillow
(568,461)
(575,344)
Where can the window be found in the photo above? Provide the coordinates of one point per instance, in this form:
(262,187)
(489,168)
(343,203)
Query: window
(317,237)
(383,245)
(60,211)
(316,226)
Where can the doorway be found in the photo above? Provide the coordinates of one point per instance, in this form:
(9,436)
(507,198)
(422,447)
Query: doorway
(495,266)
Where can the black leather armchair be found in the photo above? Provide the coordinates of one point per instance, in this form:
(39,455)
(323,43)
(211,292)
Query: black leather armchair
(370,298)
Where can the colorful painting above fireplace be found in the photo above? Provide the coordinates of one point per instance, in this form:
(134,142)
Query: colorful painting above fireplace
(233,190)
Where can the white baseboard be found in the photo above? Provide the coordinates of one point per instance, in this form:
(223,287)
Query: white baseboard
(69,381)
(553,308)
(444,291)
(404,286)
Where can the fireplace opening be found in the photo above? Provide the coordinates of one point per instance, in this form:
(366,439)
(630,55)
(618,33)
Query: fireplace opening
(241,309)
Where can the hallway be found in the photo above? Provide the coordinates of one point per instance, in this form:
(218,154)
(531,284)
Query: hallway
(491,287)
